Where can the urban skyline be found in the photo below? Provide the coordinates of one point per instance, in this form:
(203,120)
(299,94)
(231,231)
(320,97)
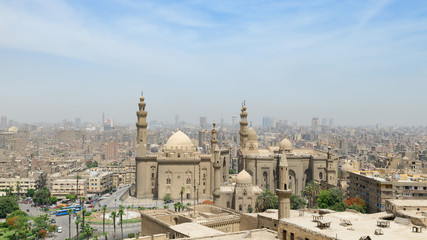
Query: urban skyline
(357,62)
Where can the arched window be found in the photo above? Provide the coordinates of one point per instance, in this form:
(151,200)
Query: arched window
(240,208)
(188,181)
(228,204)
(321,175)
(245,192)
(168,180)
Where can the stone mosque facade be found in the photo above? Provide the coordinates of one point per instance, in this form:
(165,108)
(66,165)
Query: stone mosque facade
(179,165)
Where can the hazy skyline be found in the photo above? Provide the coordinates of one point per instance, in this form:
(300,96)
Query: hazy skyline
(358,62)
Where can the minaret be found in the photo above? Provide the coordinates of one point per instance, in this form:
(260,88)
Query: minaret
(330,171)
(214,140)
(283,192)
(243,127)
(217,176)
(214,144)
(141,150)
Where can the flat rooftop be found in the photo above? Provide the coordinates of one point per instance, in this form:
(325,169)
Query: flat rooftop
(256,234)
(408,202)
(195,230)
(361,225)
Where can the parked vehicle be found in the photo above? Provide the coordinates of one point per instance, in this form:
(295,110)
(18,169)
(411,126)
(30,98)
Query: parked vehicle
(60,229)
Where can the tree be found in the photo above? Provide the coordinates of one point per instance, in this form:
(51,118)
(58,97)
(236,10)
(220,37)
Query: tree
(18,188)
(266,200)
(167,197)
(231,171)
(113,215)
(7,205)
(339,207)
(297,202)
(88,231)
(53,200)
(311,191)
(41,181)
(104,210)
(70,212)
(357,208)
(77,187)
(182,193)
(121,212)
(329,198)
(41,197)
(71,197)
(77,222)
(360,205)
(30,192)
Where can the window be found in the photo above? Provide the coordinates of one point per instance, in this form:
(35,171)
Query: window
(240,207)
(152,175)
(188,181)
(292,236)
(228,204)
(168,180)
(188,196)
(285,234)
(320,175)
(245,192)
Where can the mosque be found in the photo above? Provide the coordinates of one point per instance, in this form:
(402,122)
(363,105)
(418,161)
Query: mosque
(179,168)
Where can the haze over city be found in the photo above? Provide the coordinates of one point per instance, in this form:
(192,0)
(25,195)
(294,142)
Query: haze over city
(358,62)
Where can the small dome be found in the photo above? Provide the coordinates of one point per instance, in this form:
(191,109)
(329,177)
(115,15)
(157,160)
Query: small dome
(244,178)
(405,158)
(252,135)
(179,141)
(347,167)
(285,144)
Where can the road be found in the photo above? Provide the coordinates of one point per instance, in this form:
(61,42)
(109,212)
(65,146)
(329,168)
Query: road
(112,202)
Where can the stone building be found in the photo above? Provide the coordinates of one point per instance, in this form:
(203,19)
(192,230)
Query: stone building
(305,165)
(177,167)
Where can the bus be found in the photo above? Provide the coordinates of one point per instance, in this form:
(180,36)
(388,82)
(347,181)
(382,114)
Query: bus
(77,208)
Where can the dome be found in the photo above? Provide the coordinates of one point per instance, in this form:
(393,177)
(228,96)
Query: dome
(285,144)
(244,178)
(179,141)
(405,158)
(347,167)
(252,135)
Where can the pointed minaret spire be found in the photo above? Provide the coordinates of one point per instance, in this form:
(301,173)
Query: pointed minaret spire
(214,139)
(243,126)
(283,191)
(141,151)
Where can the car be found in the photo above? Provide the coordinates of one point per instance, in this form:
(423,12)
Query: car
(28,210)
(25,202)
(88,202)
(33,205)
(90,206)
(30,201)
(60,229)
(53,221)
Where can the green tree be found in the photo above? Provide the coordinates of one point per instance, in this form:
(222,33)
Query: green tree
(70,212)
(53,200)
(311,192)
(167,197)
(104,210)
(71,197)
(30,192)
(357,208)
(7,205)
(121,212)
(339,207)
(77,222)
(231,171)
(88,231)
(113,215)
(266,200)
(182,193)
(41,197)
(77,186)
(329,198)
(18,188)
(297,202)
(41,181)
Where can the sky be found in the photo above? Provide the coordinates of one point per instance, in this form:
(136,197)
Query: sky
(358,62)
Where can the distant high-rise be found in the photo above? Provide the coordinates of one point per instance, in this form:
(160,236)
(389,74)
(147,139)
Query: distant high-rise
(103,118)
(203,122)
(315,122)
(233,121)
(3,124)
(267,121)
(331,122)
(110,151)
(78,122)
(177,121)
(324,122)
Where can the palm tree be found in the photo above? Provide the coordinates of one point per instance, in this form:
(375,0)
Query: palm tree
(121,212)
(113,215)
(18,188)
(182,192)
(77,222)
(311,191)
(82,200)
(104,210)
(265,200)
(105,235)
(88,231)
(70,211)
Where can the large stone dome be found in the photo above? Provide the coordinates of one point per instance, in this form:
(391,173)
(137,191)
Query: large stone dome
(179,141)
(252,135)
(347,167)
(244,178)
(286,145)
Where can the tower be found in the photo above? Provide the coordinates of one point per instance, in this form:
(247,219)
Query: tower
(243,127)
(330,170)
(214,158)
(217,176)
(141,141)
(283,191)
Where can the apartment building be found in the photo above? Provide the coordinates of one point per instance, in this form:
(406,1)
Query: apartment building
(13,183)
(375,187)
(61,187)
(100,182)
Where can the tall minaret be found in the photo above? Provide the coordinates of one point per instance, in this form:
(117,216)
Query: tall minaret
(330,170)
(141,150)
(243,127)
(217,176)
(214,144)
(283,192)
